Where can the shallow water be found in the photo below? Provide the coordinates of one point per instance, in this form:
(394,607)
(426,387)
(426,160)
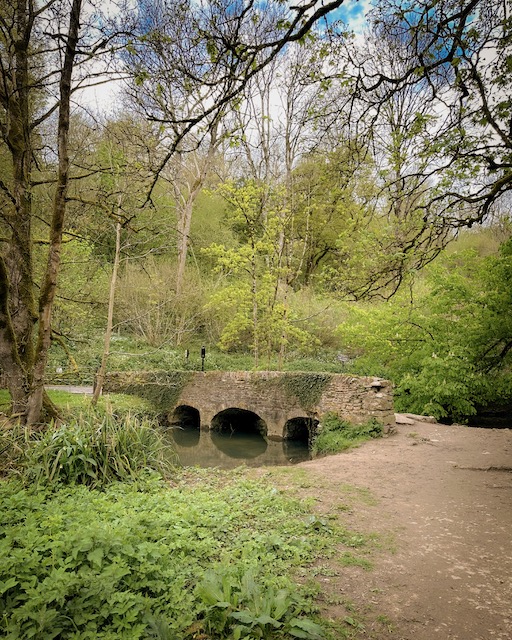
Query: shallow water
(227,451)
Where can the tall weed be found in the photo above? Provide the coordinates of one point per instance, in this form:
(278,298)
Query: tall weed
(13,442)
(96,449)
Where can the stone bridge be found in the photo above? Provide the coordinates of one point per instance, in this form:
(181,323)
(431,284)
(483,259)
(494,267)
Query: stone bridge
(279,405)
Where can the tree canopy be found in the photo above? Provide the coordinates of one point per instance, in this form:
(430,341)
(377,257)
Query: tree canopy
(252,152)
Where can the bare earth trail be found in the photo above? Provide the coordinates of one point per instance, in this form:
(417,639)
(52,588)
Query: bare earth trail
(443,504)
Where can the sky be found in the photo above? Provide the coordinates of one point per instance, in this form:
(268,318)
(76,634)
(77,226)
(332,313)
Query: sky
(102,99)
(352,13)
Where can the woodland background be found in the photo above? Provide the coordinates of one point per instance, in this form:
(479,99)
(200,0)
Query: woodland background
(261,181)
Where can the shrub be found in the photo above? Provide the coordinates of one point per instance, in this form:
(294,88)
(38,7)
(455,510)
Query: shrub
(95,449)
(336,434)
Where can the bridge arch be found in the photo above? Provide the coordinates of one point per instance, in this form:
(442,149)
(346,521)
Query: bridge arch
(301,429)
(185,423)
(235,420)
(186,417)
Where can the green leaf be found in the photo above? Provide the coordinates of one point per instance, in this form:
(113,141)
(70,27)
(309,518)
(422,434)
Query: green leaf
(305,628)
(95,556)
(264,619)
(8,584)
(243,616)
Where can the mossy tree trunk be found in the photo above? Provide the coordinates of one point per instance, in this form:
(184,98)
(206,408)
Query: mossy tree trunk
(17,306)
(49,285)
(23,358)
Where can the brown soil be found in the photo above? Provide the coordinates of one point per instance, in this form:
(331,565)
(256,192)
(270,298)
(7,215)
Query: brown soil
(440,499)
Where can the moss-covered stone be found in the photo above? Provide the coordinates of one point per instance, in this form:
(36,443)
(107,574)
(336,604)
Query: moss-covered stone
(307,388)
(161,388)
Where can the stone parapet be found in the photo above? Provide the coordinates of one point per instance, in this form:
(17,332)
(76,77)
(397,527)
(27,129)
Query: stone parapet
(275,396)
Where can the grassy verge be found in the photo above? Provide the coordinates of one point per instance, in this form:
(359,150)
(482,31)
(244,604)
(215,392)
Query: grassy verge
(71,403)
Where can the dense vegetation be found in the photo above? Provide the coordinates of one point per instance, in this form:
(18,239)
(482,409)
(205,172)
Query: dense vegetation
(95,544)
(268,186)
(271,188)
(443,339)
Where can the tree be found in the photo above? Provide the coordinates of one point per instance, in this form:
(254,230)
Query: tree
(209,52)
(190,65)
(332,218)
(457,55)
(41,47)
(446,342)
(22,363)
(257,315)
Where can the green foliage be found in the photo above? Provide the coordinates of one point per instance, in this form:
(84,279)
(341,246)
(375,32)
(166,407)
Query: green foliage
(446,342)
(160,388)
(336,435)
(95,449)
(82,284)
(253,302)
(307,388)
(135,561)
(328,192)
(238,607)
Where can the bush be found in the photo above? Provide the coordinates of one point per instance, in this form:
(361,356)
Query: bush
(95,449)
(336,435)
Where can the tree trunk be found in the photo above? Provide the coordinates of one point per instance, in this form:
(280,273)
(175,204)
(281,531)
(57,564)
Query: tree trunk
(184,224)
(49,285)
(11,363)
(17,314)
(187,202)
(100,377)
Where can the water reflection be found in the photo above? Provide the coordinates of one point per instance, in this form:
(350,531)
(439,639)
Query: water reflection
(251,445)
(185,437)
(227,451)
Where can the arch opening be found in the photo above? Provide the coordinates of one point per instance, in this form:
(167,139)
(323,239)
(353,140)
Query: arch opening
(185,417)
(300,429)
(185,423)
(233,420)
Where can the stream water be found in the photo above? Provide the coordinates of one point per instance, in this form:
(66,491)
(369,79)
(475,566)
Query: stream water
(227,451)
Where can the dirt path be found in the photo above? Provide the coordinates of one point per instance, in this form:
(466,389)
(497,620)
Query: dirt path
(443,509)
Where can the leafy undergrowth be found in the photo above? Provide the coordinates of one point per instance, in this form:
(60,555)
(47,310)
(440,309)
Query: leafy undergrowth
(212,557)
(92,448)
(337,435)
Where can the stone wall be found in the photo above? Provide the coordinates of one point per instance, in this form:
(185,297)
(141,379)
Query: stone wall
(276,397)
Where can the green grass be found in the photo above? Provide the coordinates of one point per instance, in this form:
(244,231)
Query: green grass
(70,403)
(131,354)
(348,559)
(5,400)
